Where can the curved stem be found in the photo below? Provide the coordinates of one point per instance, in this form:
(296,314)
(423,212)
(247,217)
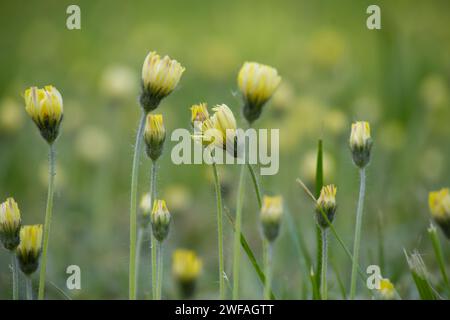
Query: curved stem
(153,239)
(324,290)
(160,270)
(29,288)
(140,237)
(48,219)
(255,184)
(237,234)
(357,240)
(15,276)
(268,269)
(133,208)
(219,231)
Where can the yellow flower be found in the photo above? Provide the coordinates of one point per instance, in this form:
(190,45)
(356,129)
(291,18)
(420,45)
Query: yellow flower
(154,135)
(160,76)
(199,113)
(386,290)
(160,220)
(10,223)
(271,212)
(45,107)
(439,203)
(257,83)
(145,207)
(29,249)
(186,266)
(360,143)
(327,204)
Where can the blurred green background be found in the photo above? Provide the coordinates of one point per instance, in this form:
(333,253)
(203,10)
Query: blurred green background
(334,71)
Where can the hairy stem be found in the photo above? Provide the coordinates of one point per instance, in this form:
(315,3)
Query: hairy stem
(268,269)
(153,239)
(357,239)
(48,219)
(219,232)
(140,237)
(15,276)
(29,287)
(160,270)
(133,207)
(323,288)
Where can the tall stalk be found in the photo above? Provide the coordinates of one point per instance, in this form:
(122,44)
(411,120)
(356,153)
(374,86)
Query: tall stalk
(48,219)
(15,276)
(357,240)
(153,239)
(255,184)
(29,287)
(237,234)
(140,237)
(160,271)
(268,268)
(219,231)
(133,208)
(323,287)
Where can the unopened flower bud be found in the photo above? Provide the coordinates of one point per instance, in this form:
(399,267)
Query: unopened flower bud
(439,203)
(257,83)
(160,220)
(154,136)
(186,267)
(326,204)
(361,143)
(145,208)
(199,113)
(45,107)
(30,247)
(271,212)
(160,76)
(10,223)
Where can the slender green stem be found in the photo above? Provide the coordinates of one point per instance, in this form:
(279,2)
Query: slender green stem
(48,219)
(15,276)
(255,184)
(324,290)
(237,234)
(29,287)
(268,269)
(153,239)
(160,270)
(219,232)
(357,240)
(140,237)
(133,207)
(438,252)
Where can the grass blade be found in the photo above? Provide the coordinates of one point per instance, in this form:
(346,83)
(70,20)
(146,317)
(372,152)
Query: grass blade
(419,274)
(318,185)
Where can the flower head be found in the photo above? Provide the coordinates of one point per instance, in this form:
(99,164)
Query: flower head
(160,220)
(160,76)
(439,203)
(271,212)
(154,135)
(29,249)
(361,143)
(186,267)
(386,290)
(257,83)
(45,107)
(326,204)
(199,113)
(10,223)
(145,208)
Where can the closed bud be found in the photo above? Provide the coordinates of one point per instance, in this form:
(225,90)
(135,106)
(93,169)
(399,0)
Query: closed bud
(439,203)
(45,107)
(154,135)
(29,249)
(271,212)
(160,220)
(10,223)
(186,267)
(145,208)
(257,83)
(160,76)
(326,204)
(199,113)
(361,143)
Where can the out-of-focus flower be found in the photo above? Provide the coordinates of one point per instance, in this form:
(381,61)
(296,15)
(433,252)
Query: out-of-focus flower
(10,223)
(257,83)
(283,99)
(145,209)
(160,76)
(29,249)
(309,164)
(93,145)
(160,218)
(439,203)
(327,48)
(179,197)
(186,268)
(45,107)
(271,212)
(326,204)
(118,82)
(386,290)
(361,143)
(11,118)
(434,91)
(154,135)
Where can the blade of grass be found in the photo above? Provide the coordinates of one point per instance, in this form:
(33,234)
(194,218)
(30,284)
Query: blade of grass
(419,274)
(319,184)
(432,232)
